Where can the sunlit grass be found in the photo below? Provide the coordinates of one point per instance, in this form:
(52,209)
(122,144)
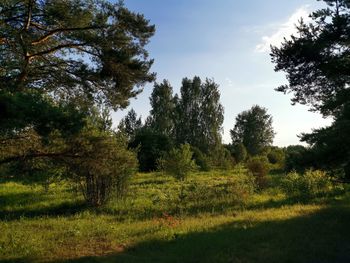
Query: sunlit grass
(55,225)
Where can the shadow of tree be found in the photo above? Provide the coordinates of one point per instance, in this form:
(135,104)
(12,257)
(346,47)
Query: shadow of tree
(320,237)
(62,209)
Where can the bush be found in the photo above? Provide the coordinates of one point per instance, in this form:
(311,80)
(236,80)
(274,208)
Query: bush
(298,158)
(221,158)
(103,168)
(201,160)
(259,167)
(308,184)
(178,162)
(240,152)
(151,146)
(276,157)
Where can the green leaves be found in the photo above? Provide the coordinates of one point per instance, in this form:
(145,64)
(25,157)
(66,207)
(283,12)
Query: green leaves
(92,50)
(178,162)
(254,129)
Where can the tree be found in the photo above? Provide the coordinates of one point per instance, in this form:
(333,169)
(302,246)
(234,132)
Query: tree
(162,103)
(211,115)
(150,146)
(188,111)
(83,50)
(179,162)
(57,60)
(317,65)
(199,114)
(253,129)
(101,164)
(130,124)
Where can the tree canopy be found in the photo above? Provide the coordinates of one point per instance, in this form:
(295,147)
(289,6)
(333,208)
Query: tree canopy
(253,128)
(317,59)
(89,51)
(317,65)
(163,108)
(199,114)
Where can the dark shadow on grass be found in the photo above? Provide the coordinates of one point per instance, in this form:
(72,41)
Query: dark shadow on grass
(320,198)
(11,199)
(63,209)
(321,237)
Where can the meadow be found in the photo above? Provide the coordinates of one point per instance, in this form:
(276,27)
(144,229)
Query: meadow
(211,217)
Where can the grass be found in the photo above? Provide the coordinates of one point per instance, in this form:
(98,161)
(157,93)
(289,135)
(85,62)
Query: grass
(155,223)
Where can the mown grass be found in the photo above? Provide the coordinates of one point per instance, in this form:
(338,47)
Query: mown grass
(162,220)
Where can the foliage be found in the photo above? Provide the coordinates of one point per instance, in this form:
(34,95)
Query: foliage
(47,48)
(20,110)
(309,184)
(221,158)
(298,158)
(276,157)
(57,60)
(178,162)
(202,160)
(237,188)
(163,109)
(199,114)
(253,128)
(259,167)
(103,167)
(316,61)
(150,147)
(130,124)
(330,146)
(240,152)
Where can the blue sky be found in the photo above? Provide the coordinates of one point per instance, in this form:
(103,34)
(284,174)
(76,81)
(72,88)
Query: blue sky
(228,41)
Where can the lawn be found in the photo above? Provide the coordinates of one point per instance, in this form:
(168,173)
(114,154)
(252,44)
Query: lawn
(162,220)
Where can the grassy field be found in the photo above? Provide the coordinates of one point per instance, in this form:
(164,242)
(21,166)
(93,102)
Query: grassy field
(161,220)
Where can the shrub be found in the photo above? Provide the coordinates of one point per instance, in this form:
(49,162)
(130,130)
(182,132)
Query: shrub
(240,152)
(276,157)
(221,158)
(151,146)
(298,158)
(241,187)
(259,167)
(178,162)
(201,160)
(103,167)
(308,184)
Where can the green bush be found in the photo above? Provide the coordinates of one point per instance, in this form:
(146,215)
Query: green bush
(178,162)
(276,157)
(259,167)
(308,184)
(221,158)
(240,152)
(104,166)
(150,146)
(201,160)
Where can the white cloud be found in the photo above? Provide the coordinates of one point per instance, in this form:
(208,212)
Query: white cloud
(284,30)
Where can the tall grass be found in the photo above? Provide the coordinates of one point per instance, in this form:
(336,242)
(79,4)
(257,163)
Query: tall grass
(54,225)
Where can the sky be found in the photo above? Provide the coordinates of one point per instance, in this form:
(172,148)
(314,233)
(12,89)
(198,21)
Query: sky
(228,41)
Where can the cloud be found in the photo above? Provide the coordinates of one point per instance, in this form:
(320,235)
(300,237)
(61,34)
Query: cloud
(284,30)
